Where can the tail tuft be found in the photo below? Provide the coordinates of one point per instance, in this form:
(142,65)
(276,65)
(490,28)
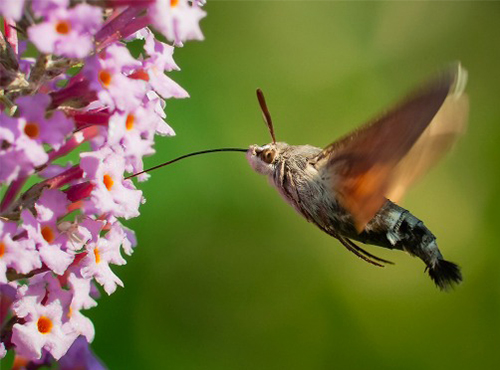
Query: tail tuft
(445,274)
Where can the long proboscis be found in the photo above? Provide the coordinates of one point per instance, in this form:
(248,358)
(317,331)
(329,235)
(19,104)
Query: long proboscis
(186,156)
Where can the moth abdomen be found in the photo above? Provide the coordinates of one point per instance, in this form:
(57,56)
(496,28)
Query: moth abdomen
(396,228)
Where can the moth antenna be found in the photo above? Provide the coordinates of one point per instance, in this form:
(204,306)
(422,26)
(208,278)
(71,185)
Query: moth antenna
(266,114)
(186,156)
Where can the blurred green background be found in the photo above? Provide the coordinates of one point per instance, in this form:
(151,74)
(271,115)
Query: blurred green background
(227,276)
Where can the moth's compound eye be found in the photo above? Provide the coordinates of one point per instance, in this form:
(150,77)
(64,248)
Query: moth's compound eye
(267,155)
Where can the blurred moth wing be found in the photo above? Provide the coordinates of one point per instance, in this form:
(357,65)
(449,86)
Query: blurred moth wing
(383,158)
(438,138)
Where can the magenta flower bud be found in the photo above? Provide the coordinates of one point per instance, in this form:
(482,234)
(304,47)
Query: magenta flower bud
(121,25)
(79,191)
(78,138)
(77,89)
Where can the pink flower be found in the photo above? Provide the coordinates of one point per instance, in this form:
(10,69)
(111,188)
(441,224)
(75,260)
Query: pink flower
(178,20)
(96,264)
(47,238)
(51,205)
(35,126)
(123,236)
(43,329)
(43,288)
(162,127)
(162,84)
(26,135)
(67,32)
(81,325)
(20,255)
(111,194)
(160,60)
(133,133)
(29,295)
(116,238)
(44,308)
(160,53)
(20,160)
(19,154)
(81,289)
(106,75)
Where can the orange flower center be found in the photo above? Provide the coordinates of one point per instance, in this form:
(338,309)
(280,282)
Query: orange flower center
(44,325)
(105,78)
(129,124)
(108,181)
(2,248)
(97,255)
(32,130)
(63,27)
(174,3)
(48,234)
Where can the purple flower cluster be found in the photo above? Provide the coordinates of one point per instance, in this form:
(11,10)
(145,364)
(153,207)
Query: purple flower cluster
(60,237)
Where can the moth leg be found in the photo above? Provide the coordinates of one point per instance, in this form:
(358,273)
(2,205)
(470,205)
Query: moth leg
(368,254)
(359,251)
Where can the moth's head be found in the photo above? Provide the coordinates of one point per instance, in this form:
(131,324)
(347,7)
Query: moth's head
(263,159)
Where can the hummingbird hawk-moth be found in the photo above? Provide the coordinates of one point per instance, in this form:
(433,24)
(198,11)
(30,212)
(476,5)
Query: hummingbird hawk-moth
(350,188)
